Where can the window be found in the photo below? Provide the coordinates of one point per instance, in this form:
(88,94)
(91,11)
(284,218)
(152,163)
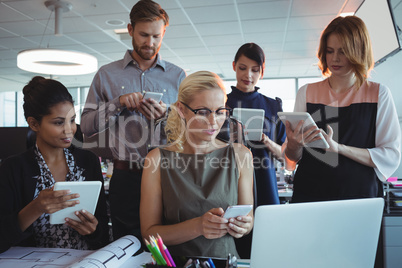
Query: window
(21,122)
(8,112)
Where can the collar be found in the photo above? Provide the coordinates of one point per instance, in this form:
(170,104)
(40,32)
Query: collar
(237,91)
(128,59)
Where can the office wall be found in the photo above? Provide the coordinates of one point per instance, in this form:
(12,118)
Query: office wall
(390,74)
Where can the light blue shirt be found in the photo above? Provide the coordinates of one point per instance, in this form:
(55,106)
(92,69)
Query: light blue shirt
(130,133)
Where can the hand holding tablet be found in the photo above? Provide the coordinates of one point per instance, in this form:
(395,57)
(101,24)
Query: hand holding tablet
(295,117)
(89,194)
(252,120)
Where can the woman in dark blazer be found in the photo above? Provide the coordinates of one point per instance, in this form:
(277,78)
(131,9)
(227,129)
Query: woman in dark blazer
(26,180)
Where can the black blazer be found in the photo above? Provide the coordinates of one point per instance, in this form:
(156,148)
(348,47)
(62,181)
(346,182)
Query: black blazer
(17,189)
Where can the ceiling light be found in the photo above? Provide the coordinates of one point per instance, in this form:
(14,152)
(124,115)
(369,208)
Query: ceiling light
(56,61)
(115,22)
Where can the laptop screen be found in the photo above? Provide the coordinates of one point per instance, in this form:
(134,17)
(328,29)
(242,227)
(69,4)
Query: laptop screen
(320,234)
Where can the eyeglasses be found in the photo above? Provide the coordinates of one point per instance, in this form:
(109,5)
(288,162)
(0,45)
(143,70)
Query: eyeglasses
(221,113)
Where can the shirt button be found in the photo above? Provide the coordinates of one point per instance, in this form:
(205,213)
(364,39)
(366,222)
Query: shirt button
(122,87)
(143,74)
(149,145)
(146,127)
(164,90)
(118,109)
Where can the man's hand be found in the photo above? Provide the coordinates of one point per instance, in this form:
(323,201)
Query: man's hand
(152,109)
(131,101)
(148,107)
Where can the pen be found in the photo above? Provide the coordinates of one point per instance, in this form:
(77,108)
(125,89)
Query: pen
(211,263)
(167,252)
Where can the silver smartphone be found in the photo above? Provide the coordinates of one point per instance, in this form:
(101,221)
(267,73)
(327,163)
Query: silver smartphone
(153,95)
(236,211)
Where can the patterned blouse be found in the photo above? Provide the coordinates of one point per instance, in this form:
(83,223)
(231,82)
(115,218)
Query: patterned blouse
(56,235)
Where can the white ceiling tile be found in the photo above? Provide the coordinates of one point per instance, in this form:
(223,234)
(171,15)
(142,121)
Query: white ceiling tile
(264,25)
(315,7)
(312,22)
(183,30)
(218,28)
(207,14)
(264,10)
(204,3)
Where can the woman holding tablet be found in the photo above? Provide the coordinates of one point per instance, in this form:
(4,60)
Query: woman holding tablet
(359,117)
(26,182)
(249,65)
(187,184)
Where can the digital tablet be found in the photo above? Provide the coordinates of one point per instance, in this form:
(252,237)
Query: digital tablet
(252,120)
(236,211)
(295,117)
(89,194)
(153,95)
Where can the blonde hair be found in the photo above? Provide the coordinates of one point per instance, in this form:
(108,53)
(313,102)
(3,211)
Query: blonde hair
(189,88)
(356,46)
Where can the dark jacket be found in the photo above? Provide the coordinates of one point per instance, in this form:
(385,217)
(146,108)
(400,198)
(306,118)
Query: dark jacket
(17,189)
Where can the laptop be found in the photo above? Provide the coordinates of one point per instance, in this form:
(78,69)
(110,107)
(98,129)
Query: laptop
(328,234)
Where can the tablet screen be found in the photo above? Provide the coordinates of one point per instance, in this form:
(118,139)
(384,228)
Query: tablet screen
(295,117)
(252,120)
(89,194)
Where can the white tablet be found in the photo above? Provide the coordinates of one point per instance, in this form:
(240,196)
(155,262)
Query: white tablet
(89,194)
(295,117)
(153,95)
(252,120)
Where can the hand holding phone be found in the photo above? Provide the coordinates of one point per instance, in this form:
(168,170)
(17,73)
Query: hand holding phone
(236,211)
(153,95)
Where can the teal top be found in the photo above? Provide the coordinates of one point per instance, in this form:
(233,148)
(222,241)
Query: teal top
(191,185)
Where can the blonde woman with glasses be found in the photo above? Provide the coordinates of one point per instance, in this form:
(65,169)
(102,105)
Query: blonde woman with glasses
(187,185)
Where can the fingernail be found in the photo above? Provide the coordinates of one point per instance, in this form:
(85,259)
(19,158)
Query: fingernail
(239,218)
(77,213)
(83,211)
(66,219)
(231,220)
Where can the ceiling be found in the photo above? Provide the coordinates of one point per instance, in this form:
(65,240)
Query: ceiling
(202,35)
